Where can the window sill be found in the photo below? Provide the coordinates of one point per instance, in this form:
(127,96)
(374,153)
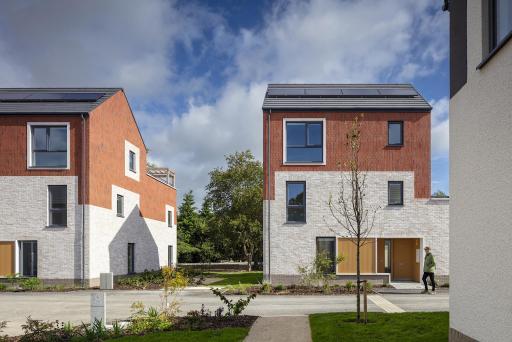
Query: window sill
(295,223)
(494,51)
(395,205)
(55,227)
(30,168)
(302,163)
(388,145)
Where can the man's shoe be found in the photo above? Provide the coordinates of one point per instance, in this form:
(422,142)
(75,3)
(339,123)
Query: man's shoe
(424,291)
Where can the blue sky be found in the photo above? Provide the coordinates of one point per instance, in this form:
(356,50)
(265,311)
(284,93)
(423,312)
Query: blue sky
(195,72)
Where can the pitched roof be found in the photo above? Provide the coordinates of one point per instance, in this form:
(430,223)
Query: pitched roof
(52,100)
(372,97)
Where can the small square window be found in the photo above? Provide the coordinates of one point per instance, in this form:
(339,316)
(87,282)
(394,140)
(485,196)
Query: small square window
(396,193)
(395,133)
(304,142)
(120,205)
(132,162)
(49,146)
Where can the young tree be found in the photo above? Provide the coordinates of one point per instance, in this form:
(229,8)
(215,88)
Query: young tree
(354,217)
(235,195)
(439,194)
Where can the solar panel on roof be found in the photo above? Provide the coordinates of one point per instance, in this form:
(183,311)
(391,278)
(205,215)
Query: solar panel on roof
(286,91)
(397,92)
(79,97)
(360,92)
(323,91)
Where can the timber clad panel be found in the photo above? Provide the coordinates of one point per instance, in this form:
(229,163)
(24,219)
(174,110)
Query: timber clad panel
(404,259)
(6,258)
(348,250)
(375,155)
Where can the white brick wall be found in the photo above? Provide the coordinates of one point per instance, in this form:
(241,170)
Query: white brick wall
(24,216)
(295,244)
(110,235)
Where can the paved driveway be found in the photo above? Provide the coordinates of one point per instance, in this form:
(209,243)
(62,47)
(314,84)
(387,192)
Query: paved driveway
(74,306)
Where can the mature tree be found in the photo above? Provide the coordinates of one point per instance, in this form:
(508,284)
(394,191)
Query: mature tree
(439,194)
(235,195)
(187,225)
(354,217)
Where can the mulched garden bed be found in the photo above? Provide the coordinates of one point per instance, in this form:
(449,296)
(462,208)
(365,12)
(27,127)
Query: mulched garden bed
(295,290)
(212,322)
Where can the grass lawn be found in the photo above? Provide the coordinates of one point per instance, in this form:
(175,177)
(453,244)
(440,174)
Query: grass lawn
(408,326)
(214,335)
(235,278)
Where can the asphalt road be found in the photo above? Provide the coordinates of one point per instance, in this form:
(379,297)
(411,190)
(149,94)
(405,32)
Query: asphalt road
(74,306)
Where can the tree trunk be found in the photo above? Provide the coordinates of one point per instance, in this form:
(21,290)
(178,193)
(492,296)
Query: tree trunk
(249,262)
(358,275)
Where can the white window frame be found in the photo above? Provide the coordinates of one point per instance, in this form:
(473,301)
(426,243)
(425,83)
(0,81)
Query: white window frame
(135,175)
(324,128)
(171,209)
(29,145)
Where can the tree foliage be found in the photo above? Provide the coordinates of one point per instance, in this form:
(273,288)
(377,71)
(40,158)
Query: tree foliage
(234,196)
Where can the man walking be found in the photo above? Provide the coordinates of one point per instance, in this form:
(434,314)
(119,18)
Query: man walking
(429,267)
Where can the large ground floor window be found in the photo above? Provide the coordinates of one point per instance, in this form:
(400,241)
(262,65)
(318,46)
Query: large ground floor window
(327,247)
(28,258)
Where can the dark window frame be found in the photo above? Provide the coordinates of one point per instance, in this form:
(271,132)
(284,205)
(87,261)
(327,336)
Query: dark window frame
(132,161)
(34,150)
(306,145)
(401,123)
(333,271)
(294,205)
(52,210)
(170,251)
(34,257)
(490,43)
(401,183)
(120,213)
(131,258)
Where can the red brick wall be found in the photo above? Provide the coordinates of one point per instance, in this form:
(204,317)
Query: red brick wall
(109,125)
(375,155)
(13,144)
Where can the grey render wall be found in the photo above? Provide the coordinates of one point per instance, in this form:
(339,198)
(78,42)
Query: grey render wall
(294,244)
(24,216)
(481,193)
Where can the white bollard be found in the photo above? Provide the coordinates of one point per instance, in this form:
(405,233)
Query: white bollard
(99,307)
(107,281)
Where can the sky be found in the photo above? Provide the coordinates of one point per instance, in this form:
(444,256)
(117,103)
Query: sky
(195,72)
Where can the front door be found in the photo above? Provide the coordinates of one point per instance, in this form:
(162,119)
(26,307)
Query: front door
(6,258)
(404,260)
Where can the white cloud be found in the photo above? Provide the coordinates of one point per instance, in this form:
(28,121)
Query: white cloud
(133,44)
(440,128)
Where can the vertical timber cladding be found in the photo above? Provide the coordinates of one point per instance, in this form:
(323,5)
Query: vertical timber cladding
(6,258)
(406,265)
(348,250)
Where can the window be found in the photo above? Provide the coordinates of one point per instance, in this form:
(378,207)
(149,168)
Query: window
(304,142)
(387,256)
(132,162)
(131,258)
(28,258)
(169,256)
(169,218)
(395,133)
(396,193)
(500,21)
(120,205)
(327,246)
(57,205)
(296,201)
(48,146)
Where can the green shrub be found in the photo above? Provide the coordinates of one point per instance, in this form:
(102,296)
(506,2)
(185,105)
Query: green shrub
(279,287)
(349,285)
(266,288)
(3,287)
(30,284)
(369,286)
(234,308)
(150,320)
(319,271)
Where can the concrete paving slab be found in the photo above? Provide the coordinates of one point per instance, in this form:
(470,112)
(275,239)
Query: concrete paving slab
(280,329)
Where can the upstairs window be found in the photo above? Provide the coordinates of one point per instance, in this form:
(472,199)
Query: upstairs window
(120,205)
(500,21)
(395,133)
(396,193)
(48,146)
(304,142)
(57,205)
(132,162)
(169,218)
(296,202)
